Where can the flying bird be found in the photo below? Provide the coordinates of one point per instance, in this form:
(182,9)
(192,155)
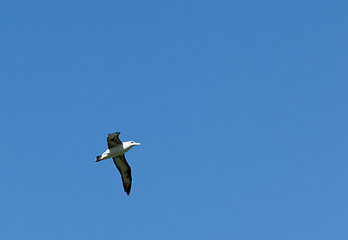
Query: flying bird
(116,150)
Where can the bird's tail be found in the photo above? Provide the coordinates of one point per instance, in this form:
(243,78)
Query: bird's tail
(98,158)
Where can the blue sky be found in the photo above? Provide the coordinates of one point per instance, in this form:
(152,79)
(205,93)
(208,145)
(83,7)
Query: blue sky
(240,107)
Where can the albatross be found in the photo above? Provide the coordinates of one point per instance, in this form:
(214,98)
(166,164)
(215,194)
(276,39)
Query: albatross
(116,150)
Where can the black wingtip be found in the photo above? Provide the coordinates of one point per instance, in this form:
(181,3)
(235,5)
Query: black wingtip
(127,190)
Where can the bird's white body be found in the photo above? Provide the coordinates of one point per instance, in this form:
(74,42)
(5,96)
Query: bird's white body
(118,150)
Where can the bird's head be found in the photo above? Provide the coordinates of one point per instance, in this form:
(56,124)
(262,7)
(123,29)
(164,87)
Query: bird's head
(128,145)
(132,143)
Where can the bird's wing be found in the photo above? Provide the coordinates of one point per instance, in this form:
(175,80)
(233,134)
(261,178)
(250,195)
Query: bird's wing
(113,139)
(125,170)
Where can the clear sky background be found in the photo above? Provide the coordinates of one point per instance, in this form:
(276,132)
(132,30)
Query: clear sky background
(240,108)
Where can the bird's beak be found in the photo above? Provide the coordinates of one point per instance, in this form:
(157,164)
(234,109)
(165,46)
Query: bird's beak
(136,143)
